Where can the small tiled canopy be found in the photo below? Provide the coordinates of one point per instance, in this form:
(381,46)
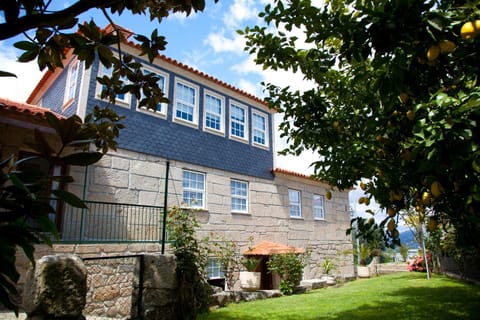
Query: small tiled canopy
(267,248)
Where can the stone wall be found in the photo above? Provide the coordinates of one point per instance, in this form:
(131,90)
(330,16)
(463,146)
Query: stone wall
(110,282)
(129,177)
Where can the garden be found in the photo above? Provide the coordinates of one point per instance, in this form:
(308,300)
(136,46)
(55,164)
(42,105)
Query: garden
(406,295)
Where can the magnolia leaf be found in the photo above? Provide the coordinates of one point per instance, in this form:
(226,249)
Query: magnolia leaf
(83,158)
(70,198)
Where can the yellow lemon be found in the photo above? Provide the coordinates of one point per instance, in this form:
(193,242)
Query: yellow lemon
(367,201)
(410,115)
(363,186)
(436,189)
(433,52)
(469,30)
(446,46)
(328,195)
(425,197)
(371,221)
(395,234)
(361,200)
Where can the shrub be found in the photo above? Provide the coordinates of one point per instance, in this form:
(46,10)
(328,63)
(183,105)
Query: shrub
(289,267)
(418,263)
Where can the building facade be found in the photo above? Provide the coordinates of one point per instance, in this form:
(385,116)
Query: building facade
(211,148)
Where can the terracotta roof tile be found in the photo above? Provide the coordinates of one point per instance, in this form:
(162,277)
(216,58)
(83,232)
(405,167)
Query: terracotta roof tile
(267,248)
(25,108)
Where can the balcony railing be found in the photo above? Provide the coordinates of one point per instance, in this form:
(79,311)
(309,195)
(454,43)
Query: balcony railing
(111,222)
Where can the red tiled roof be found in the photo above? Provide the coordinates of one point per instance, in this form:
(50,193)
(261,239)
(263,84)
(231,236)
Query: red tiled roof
(295,174)
(22,108)
(174,62)
(267,248)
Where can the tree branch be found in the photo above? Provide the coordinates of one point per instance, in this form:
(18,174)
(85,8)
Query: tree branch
(28,22)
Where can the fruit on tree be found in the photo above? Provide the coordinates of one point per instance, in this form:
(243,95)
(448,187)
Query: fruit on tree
(446,46)
(328,195)
(436,189)
(433,52)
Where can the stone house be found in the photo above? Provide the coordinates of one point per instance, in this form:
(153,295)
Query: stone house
(212,147)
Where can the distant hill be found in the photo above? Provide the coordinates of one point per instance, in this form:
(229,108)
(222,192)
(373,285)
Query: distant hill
(408,238)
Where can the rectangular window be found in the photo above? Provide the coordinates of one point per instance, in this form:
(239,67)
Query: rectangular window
(317,205)
(186,101)
(71,84)
(239,195)
(214,106)
(238,122)
(260,129)
(193,184)
(121,98)
(295,200)
(214,269)
(162,83)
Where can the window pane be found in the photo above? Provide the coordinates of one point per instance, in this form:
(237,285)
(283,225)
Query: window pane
(259,129)
(193,184)
(295,203)
(237,121)
(214,269)
(185,99)
(239,195)
(318,211)
(213,113)
(161,84)
(71,85)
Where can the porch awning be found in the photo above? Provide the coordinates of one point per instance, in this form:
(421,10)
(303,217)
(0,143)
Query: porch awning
(267,248)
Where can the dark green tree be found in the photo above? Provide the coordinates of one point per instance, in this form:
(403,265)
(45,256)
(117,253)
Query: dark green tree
(395,99)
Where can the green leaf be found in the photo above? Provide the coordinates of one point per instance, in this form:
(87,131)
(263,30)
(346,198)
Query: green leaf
(7,74)
(83,158)
(26,45)
(70,198)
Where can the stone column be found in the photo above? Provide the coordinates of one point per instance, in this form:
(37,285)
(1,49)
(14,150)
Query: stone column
(155,285)
(56,288)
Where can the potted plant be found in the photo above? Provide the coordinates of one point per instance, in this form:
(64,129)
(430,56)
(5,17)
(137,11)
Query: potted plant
(363,271)
(328,266)
(250,280)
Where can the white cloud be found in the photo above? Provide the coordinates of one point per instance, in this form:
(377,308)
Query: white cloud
(240,11)
(27,75)
(221,43)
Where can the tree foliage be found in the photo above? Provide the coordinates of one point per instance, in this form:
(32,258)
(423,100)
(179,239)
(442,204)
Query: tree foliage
(49,37)
(24,208)
(394,98)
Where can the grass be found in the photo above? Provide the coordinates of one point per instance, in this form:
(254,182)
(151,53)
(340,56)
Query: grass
(392,297)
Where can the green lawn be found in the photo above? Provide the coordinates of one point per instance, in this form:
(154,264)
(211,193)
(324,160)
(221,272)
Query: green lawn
(389,297)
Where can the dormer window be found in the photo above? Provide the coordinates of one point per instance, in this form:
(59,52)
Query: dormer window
(71,84)
(238,121)
(186,102)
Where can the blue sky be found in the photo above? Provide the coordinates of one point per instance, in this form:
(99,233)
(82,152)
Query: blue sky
(206,41)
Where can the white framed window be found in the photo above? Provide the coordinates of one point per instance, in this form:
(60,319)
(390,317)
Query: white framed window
(72,78)
(163,85)
(121,98)
(260,128)
(295,201)
(193,186)
(318,208)
(239,196)
(186,102)
(214,269)
(214,111)
(238,121)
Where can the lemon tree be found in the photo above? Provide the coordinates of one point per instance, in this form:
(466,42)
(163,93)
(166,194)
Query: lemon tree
(395,99)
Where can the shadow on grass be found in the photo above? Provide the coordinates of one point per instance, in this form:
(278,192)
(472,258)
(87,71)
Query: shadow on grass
(418,302)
